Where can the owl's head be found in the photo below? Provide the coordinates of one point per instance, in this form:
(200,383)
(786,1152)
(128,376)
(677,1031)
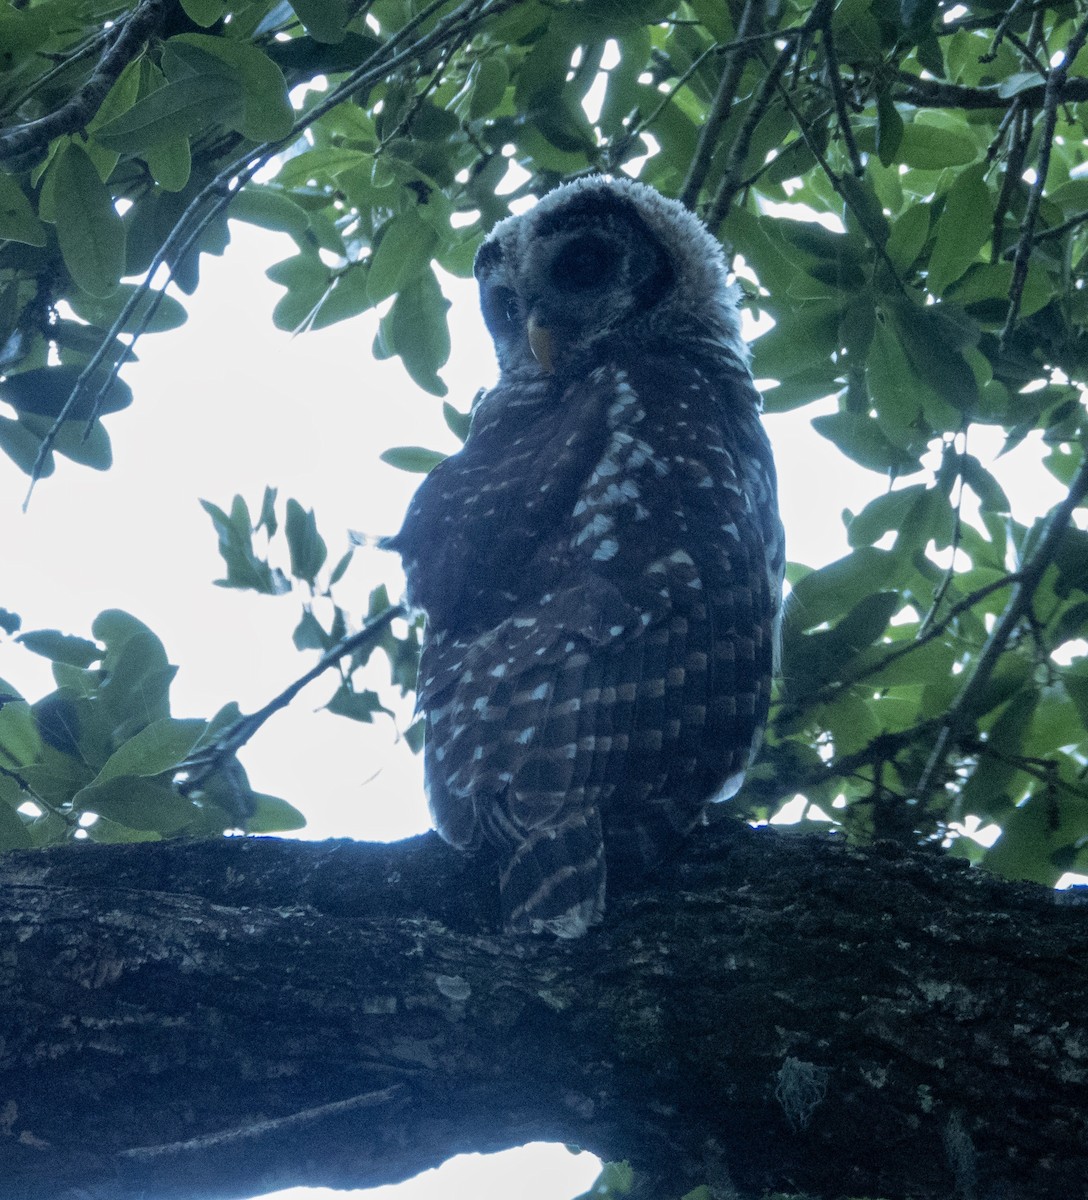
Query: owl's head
(599,263)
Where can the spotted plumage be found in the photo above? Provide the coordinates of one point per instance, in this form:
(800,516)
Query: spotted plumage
(600,565)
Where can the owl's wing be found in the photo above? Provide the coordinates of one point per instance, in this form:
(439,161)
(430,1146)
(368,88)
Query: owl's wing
(632,690)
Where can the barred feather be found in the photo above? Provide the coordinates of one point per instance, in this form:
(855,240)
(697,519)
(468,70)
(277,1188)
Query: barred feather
(600,565)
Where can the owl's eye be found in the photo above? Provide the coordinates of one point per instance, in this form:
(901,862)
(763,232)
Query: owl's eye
(584,262)
(501,309)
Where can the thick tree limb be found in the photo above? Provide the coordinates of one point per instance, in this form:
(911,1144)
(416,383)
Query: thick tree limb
(222,1018)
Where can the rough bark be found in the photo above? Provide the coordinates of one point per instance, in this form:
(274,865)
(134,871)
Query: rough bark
(221,1019)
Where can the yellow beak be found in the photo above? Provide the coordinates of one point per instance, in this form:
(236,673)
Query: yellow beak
(542,344)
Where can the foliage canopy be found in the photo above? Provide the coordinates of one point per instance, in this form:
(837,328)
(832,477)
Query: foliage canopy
(903,185)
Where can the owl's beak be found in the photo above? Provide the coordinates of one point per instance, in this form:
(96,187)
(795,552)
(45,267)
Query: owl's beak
(542,344)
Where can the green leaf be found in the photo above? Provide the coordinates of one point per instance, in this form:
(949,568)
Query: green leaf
(866,621)
(416,327)
(341,567)
(415,459)
(184,106)
(170,163)
(832,591)
(487,82)
(269,208)
(89,229)
(244,569)
(307,547)
(44,392)
(308,634)
(267,519)
(345,298)
(18,222)
(135,802)
(883,514)
(406,246)
(61,647)
(272,815)
(889,130)
(267,114)
(963,227)
(324,20)
(104,310)
(908,235)
(307,281)
(156,749)
(457,422)
(205,12)
(1024,849)
(862,439)
(931,147)
(358,706)
(19,739)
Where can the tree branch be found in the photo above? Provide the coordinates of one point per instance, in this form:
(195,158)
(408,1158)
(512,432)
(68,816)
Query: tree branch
(212,758)
(32,137)
(191,1020)
(757,110)
(1055,84)
(935,93)
(961,713)
(722,106)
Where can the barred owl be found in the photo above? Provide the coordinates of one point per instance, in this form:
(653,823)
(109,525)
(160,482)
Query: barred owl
(600,566)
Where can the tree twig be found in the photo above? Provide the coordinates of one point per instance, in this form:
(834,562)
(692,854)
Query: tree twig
(839,95)
(209,759)
(1020,121)
(1000,31)
(830,691)
(33,136)
(757,109)
(721,106)
(1055,83)
(960,715)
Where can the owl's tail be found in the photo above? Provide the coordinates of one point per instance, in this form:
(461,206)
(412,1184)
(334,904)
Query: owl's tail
(555,879)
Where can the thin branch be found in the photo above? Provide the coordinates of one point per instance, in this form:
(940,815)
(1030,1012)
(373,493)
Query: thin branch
(960,714)
(1055,83)
(619,146)
(221,190)
(210,759)
(1013,177)
(839,95)
(91,46)
(81,108)
(830,691)
(757,109)
(1062,229)
(1000,31)
(721,107)
(256,1129)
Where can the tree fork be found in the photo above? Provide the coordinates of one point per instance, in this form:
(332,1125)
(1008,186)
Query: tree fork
(779,1012)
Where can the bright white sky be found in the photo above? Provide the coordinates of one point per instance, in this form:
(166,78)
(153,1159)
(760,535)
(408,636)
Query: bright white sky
(228,404)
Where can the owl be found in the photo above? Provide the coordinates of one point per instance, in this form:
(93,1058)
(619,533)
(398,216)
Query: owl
(601,565)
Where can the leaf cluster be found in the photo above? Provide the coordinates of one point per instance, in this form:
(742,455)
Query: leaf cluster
(102,758)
